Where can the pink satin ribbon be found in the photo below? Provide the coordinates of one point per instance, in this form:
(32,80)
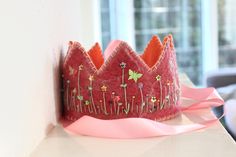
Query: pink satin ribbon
(140,127)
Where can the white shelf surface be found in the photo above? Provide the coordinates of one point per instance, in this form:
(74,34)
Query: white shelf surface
(213,141)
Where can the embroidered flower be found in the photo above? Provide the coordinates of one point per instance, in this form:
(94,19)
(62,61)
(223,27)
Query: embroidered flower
(158,77)
(81,67)
(140,85)
(91,78)
(86,102)
(122,65)
(71,70)
(104,88)
(153,99)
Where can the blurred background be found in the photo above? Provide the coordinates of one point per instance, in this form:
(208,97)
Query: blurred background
(34,37)
(204,31)
(204,36)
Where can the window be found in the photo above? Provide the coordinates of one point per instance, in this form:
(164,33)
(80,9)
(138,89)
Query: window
(105,22)
(227,33)
(182,18)
(193,32)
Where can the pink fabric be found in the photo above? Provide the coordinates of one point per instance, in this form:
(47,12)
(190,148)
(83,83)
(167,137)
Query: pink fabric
(112,45)
(141,127)
(115,77)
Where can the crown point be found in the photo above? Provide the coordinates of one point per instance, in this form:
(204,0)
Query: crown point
(152,52)
(154,37)
(95,54)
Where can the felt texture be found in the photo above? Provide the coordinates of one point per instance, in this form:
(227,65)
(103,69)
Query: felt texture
(158,59)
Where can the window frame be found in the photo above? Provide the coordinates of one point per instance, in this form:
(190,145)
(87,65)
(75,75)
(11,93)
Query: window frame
(122,27)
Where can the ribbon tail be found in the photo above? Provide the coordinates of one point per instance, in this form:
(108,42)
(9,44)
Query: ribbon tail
(131,127)
(203,97)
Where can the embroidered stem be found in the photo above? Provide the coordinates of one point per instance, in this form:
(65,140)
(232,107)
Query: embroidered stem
(101,108)
(174,96)
(88,104)
(104,103)
(67,94)
(74,98)
(104,89)
(142,101)
(123,84)
(163,105)
(158,78)
(169,93)
(118,108)
(91,93)
(71,100)
(126,110)
(153,100)
(132,104)
(98,109)
(114,106)
(147,104)
(161,100)
(90,110)
(114,101)
(111,108)
(137,110)
(153,107)
(79,94)
(122,109)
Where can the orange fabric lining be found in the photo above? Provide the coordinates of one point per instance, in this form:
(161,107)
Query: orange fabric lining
(150,56)
(152,51)
(95,54)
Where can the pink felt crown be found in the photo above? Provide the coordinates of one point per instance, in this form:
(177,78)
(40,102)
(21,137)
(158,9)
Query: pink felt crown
(122,85)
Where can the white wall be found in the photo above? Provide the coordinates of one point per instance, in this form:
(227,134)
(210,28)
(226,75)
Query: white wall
(32,35)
